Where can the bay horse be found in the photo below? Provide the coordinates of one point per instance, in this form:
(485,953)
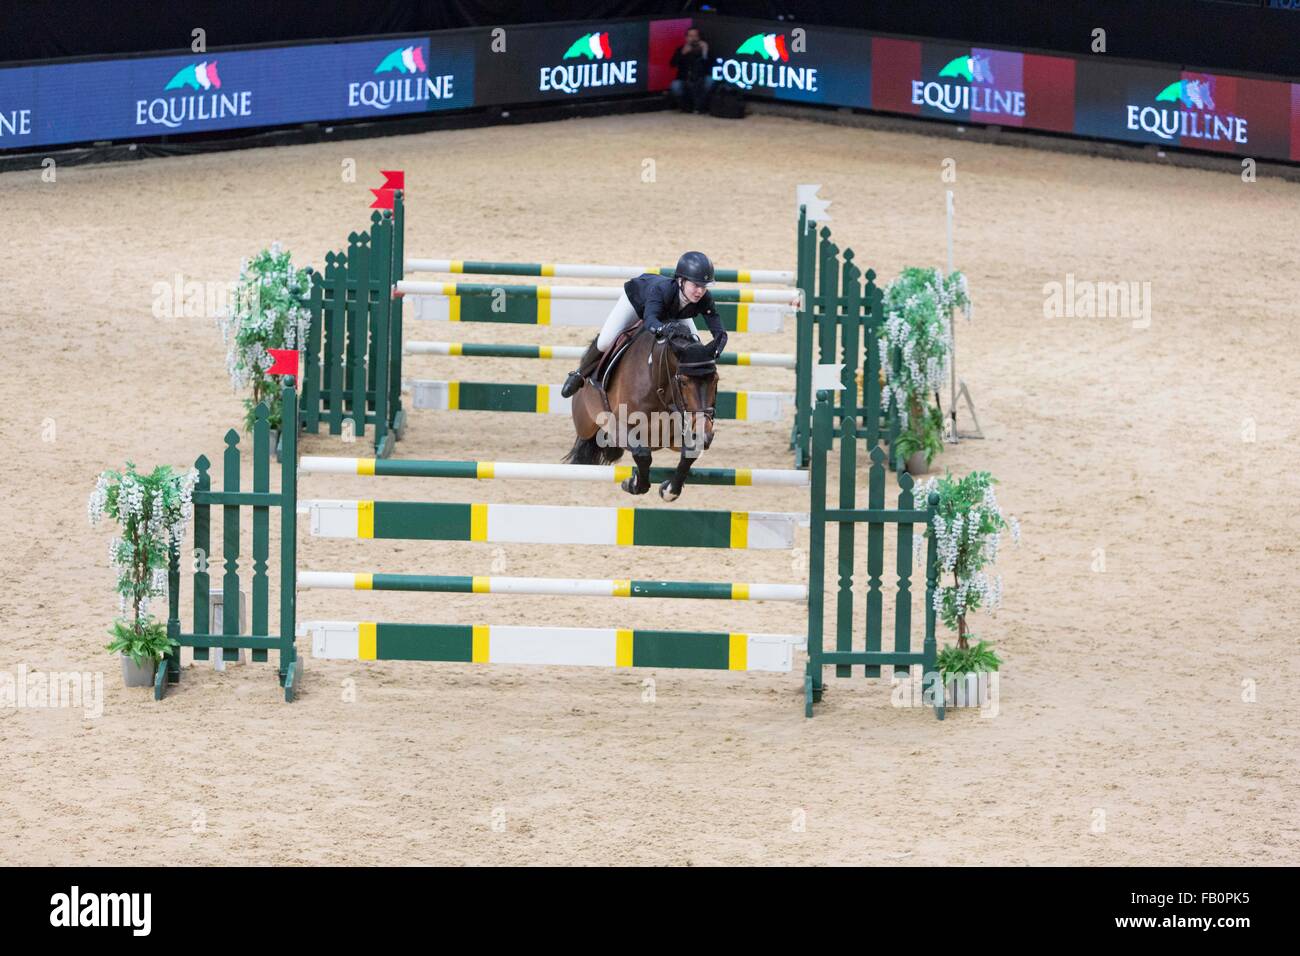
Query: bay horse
(661,394)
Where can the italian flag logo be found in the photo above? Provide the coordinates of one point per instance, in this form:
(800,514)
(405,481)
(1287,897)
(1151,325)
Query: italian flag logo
(196,76)
(593,46)
(770,46)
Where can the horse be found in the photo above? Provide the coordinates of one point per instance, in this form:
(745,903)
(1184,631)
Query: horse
(661,394)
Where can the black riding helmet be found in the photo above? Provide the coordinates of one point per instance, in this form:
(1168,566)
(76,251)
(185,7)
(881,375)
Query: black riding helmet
(694,266)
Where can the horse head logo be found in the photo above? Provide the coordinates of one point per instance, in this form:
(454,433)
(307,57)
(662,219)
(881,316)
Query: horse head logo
(973,69)
(1197,94)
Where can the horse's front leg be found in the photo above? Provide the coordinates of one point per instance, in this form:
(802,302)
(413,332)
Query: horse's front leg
(639,483)
(692,442)
(671,489)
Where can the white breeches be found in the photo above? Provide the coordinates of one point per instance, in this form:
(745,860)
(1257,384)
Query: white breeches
(620,317)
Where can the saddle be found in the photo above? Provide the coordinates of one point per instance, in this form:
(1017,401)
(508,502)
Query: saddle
(605,370)
(591,403)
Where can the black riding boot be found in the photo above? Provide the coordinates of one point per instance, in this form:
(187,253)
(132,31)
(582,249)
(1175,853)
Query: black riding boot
(590,361)
(572,384)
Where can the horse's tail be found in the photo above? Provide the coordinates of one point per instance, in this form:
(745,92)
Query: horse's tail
(589,451)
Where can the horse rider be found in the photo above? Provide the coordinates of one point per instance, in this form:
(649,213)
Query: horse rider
(658,302)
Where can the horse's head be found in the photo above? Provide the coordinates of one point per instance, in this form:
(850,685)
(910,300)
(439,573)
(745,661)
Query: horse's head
(695,376)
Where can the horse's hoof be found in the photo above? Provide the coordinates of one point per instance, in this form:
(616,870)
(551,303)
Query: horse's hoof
(631,487)
(666,491)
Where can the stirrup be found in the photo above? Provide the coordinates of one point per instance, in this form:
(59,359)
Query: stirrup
(572,384)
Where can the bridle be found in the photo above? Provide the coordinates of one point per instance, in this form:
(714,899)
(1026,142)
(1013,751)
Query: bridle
(669,388)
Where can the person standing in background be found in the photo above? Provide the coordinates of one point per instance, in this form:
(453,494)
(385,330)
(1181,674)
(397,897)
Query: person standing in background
(691,88)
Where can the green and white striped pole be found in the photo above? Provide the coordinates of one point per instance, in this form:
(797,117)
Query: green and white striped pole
(565,270)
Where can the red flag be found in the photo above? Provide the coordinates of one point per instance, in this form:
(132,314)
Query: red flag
(286,362)
(394,178)
(383,199)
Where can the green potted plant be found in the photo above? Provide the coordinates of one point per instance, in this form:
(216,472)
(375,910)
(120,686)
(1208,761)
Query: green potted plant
(921,440)
(152,511)
(968,527)
(266,313)
(917,308)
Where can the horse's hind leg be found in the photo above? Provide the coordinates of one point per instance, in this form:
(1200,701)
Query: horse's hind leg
(639,483)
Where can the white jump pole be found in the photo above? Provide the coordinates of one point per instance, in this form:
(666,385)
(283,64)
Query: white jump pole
(570,270)
(952,325)
(958,390)
(788,297)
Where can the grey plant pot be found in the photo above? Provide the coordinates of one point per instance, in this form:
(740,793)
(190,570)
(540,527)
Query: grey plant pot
(133,676)
(916,464)
(275,443)
(968,690)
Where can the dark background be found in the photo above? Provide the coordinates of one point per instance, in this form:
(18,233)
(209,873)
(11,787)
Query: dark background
(1240,35)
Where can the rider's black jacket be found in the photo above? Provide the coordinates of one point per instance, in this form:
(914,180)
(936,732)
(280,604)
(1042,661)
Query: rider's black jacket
(656,300)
